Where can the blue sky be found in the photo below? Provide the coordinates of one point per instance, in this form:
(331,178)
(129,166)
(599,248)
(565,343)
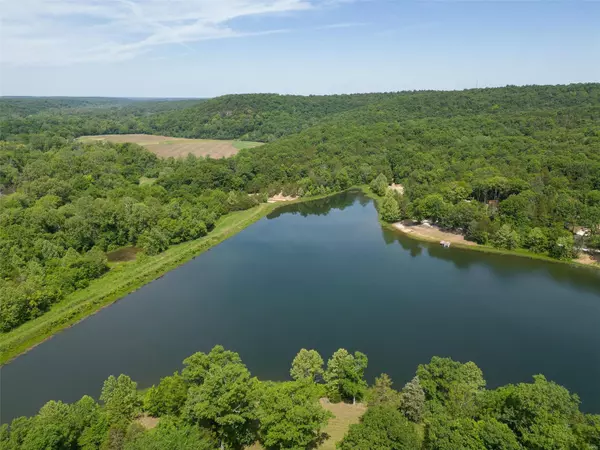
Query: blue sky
(205,48)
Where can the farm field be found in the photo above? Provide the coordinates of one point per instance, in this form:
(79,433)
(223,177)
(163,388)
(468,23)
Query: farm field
(166,147)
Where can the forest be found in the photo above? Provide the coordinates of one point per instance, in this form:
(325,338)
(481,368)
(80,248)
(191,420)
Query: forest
(215,402)
(513,168)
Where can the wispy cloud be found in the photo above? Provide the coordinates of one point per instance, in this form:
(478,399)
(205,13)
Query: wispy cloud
(58,32)
(342,25)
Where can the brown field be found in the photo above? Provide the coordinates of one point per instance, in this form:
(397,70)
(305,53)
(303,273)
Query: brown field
(167,147)
(345,415)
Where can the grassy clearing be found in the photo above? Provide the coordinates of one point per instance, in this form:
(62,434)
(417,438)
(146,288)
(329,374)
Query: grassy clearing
(241,145)
(166,147)
(345,415)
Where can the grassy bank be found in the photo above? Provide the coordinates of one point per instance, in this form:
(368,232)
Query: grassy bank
(479,248)
(122,279)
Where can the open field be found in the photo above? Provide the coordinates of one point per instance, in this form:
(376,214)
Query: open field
(167,147)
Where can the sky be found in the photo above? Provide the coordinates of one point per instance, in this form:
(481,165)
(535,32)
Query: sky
(206,48)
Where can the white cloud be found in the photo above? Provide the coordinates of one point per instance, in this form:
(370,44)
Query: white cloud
(58,32)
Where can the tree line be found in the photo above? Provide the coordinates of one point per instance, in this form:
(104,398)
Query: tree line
(215,402)
(63,209)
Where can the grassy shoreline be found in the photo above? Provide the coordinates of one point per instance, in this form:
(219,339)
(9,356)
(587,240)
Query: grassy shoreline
(123,279)
(479,248)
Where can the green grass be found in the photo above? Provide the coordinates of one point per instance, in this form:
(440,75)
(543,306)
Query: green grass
(121,280)
(241,145)
(147,181)
(124,278)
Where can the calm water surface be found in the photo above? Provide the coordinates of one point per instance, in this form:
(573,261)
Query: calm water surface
(325,275)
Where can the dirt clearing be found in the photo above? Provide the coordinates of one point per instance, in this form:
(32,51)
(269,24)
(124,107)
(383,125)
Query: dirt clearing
(166,147)
(431,233)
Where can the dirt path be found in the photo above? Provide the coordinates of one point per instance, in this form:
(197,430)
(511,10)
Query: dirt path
(590,260)
(282,198)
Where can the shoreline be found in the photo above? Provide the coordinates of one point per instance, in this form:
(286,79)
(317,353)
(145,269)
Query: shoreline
(125,278)
(474,246)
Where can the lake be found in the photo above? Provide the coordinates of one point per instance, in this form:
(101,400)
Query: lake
(325,275)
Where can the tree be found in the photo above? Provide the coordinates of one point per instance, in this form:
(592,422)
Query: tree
(290,415)
(432,207)
(382,392)
(121,399)
(344,376)
(167,398)
(382,428)
(563,248)
(171,434)
(154,241)
(307,364)
(444,433)
(225,401)
(539,413)
(390,210)
(379,185)
(438,377)
(413,400)
(536,241)
(506,238)
(198,365)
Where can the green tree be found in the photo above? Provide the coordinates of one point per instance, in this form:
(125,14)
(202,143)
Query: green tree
(506,238)
(563,248)
(344,376)
(441,374)
(432,207)
(198,365)
(379,185)
(390,210)
(541,413)
(290,415)
(382,428)
(307,364)
(225,401)
(382,392)
(171,434)
(168,397)
(121,399)
(444,433)
(154,241)
(536,241)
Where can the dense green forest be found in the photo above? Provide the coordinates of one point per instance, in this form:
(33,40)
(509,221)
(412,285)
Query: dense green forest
(513,167)
(214,402)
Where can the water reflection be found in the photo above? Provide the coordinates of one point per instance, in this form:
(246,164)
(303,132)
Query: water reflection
(323,206)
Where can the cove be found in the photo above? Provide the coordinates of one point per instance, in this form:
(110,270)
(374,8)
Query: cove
(325,275)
